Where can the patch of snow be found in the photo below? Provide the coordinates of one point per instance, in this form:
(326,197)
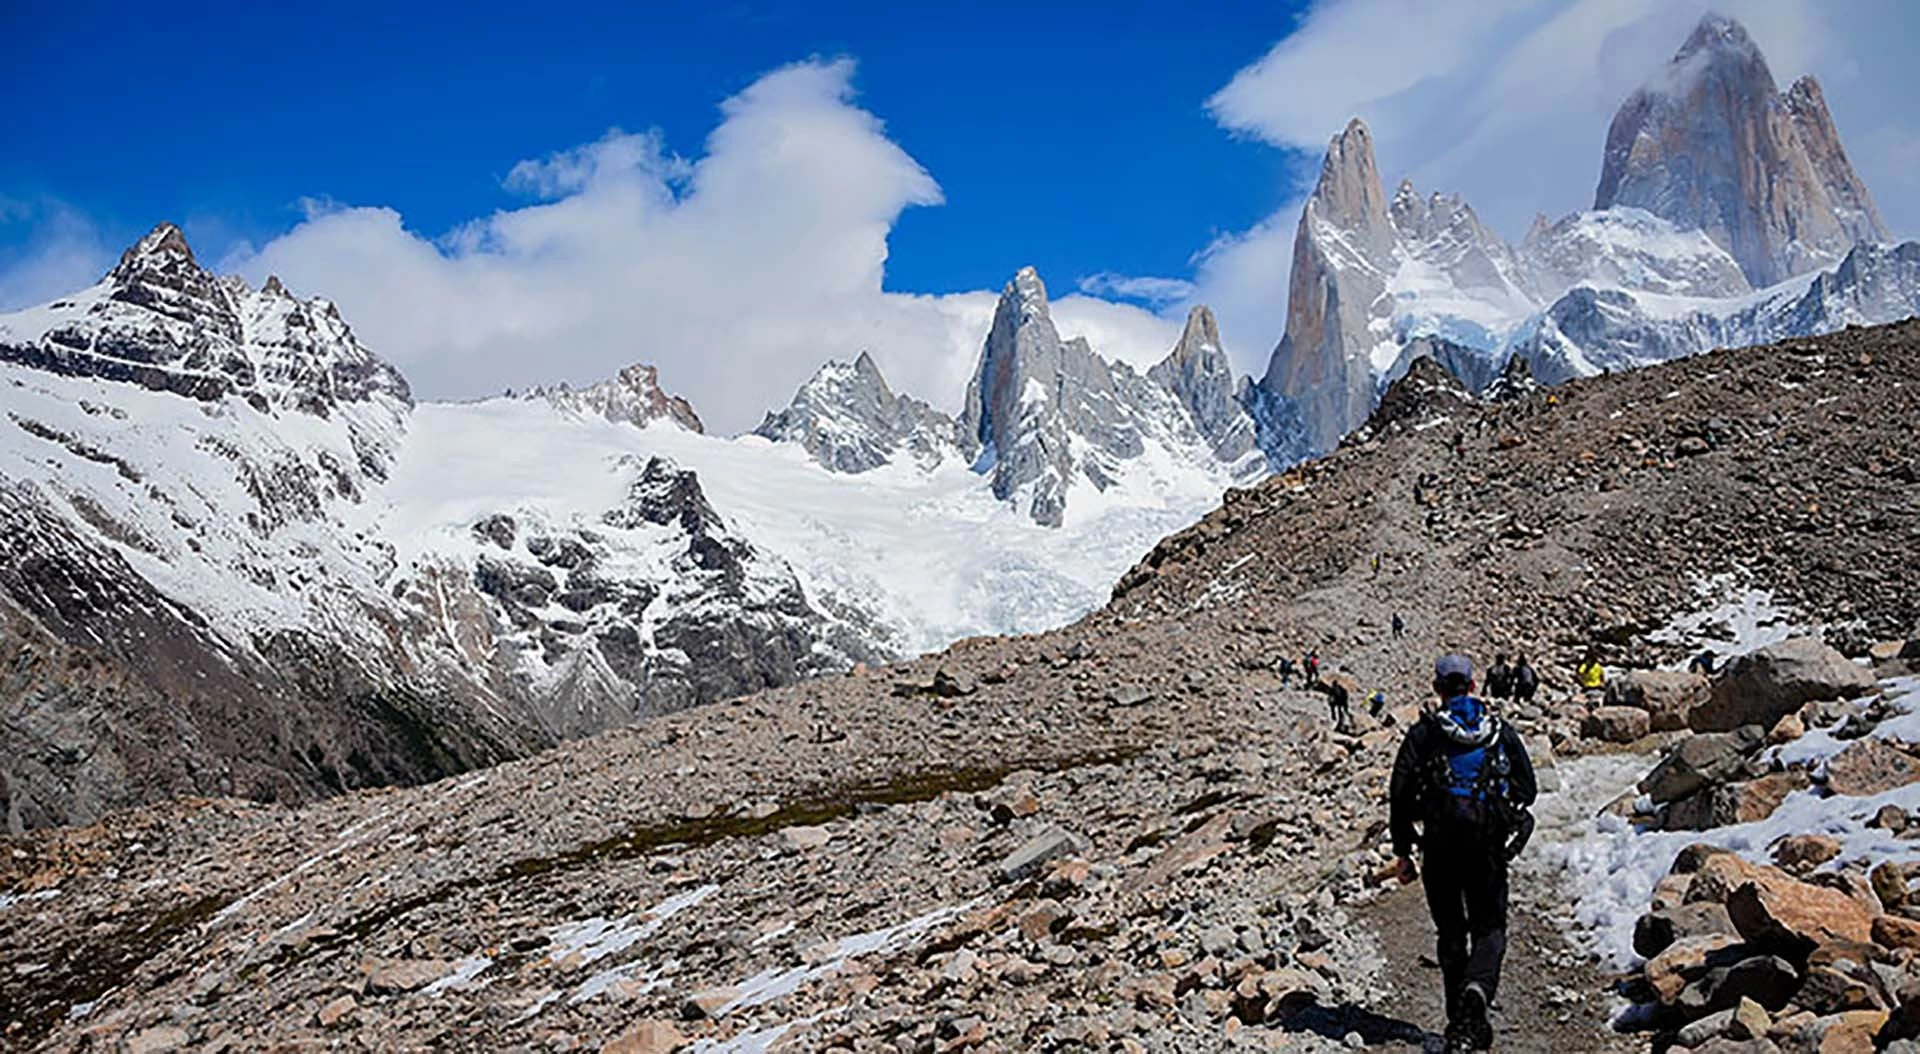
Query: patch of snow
(463,974)
(591,940)
(9,900)
(1732,619)
(1613,867)
(771,984)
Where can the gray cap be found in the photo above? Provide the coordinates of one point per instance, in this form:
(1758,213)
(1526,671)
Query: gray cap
(1455,665)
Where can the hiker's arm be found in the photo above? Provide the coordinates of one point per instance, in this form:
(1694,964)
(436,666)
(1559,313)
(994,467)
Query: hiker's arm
(1523,788)
(1403,797)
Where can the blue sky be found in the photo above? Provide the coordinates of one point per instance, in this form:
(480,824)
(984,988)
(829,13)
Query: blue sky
(1071,136)
(737,193)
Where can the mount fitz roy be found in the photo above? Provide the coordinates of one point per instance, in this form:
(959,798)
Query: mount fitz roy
(1726,214)
(241,559)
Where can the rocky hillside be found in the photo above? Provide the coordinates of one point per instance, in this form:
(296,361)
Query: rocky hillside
(1124,833)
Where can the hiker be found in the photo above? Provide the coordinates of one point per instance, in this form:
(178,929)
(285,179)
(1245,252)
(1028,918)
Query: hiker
(1461,787)
(1525,681)
(1286,672)
(1310,668)
(1399,626)
(1702,663)
(1500,678)
(1376,565)
(1592,677)
(1376,703)
(1339,702)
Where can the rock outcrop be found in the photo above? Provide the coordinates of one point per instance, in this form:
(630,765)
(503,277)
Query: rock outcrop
(1045,414)
(1714,146)
(849,420)
(1200,375)
(633,396)
(1323,367)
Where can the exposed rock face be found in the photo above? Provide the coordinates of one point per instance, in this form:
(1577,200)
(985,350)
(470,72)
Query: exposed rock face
(634,397)
(851,421)
(1342,251)
(1199,374)
(1043,413)
(1714,146)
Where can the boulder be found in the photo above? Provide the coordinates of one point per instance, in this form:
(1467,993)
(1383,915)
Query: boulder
(1657,930)
(1849,1033)
(1026,860)
(1711,1027)
(1723,804)
(1833,990)
(1763,686)
(1766,979)
(1750,1021)
(1700,760)
(1782,914)
(1893,931)
(1869,767)
(1801,853)
(646,1037)
(1615,724)
(1717,876)
(1665,695)
(1681,963)
(404,975)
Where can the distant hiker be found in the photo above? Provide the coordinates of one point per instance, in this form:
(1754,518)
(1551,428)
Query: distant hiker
(1592,677)
(1461,787)
(1500,678)
(1525,681)
(1376,565)
(1376,703)
(1399,626)
(1310,668)
(1702,663)
(1286,672)
(1339,703)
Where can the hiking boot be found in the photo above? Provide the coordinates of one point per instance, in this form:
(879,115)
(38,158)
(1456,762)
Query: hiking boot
(1457,1040)
(1474,1025)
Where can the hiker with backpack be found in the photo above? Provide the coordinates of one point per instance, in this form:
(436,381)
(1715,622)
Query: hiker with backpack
(1461,787)
(1500,678)
(1592,677)
(1310,667)
(1399,626)
(1286,673)
(1525,681)
(1339,703)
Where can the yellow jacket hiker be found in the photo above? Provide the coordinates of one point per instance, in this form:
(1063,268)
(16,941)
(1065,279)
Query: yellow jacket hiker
(1592,676)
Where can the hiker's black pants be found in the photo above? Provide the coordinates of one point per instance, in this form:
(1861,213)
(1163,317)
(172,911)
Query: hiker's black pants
(1466,883)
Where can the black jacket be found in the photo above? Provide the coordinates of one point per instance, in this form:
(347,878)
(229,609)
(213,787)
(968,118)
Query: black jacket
(1413,797)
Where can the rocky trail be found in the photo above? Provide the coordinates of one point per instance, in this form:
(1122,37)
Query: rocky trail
(1119,835)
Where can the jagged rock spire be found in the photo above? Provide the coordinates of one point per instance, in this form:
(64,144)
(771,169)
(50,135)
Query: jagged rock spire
(1712,145)
(1200,375)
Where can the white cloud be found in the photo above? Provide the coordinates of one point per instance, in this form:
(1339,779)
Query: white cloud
(737,273)
(1144,288)
(63,253)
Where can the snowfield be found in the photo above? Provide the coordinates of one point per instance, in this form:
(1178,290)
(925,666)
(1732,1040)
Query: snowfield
(928,554)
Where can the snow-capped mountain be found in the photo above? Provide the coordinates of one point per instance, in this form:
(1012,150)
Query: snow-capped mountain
(848,419)
(1727,214)
(242,560)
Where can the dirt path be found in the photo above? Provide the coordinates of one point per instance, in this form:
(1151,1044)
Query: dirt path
(1553,997)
